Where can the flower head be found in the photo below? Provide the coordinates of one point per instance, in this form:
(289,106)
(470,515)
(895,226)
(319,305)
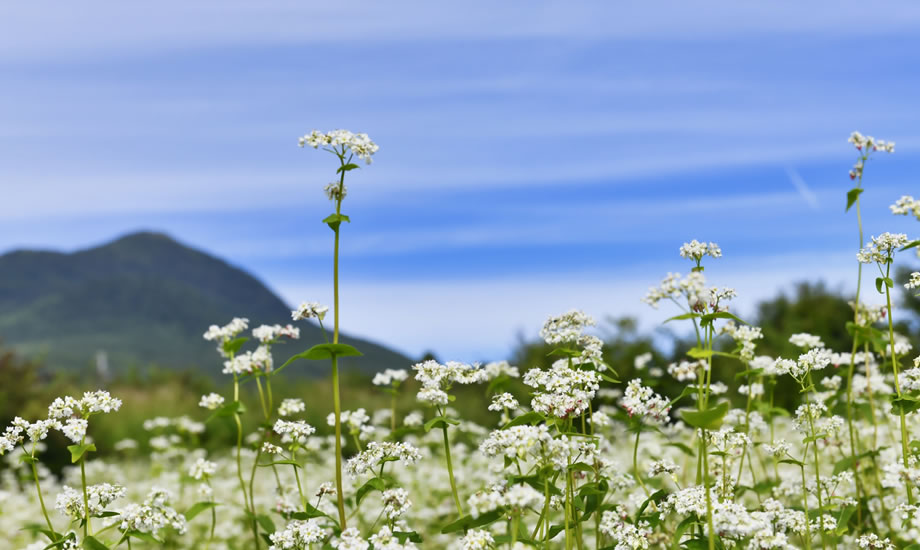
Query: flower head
(358,144)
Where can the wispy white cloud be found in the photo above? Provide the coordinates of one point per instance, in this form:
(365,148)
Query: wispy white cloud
(802,188)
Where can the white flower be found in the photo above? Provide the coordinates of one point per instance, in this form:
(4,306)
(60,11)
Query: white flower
(376,453)
(336,190)
(906,206)
(477,539)
(641,360)
(291,406)
(153,515)
(806,341)
(395,502)
(350,539)
(358,144)
(565,328)
(643,401)
(914,281)
(291,432)
(873,541)
(436,379)
(211,401)
(202,469)
(695,250)
(75,429)
(308,310)
(882,248)
(297,535)
(503,401)
(269,333)
(563,391)
(390,376)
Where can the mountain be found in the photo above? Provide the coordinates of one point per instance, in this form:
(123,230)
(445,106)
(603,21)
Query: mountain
(144,300)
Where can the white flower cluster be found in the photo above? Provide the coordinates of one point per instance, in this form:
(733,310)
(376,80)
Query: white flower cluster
(875,542)
(358,422)
(695,250)
(806,341)
(358,144)
(384,539)
(503,401)
(250,362)
(309,310)
(390,376)
(500,368)
(643,401)
(516,497)
(226,333)
(202,469)
(296,431)
(270,333)
(562,390)
(436,379)
(692,288)
(70,501)
(395,502)
(565,328)
(351,539)
(745,335)
(211,401)
(153,515)
(867,143)
(882,248)
(517,442)
(685,371)
(906,206)
(291,406)
(297,535)
(914,281)
(336,190)
(477,539)
(626,534)
(868,314)
(376,453)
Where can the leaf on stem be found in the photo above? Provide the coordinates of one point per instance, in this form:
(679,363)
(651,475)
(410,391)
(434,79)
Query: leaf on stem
(852,197)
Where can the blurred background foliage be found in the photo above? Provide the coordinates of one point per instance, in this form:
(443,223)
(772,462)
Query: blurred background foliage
(27,387)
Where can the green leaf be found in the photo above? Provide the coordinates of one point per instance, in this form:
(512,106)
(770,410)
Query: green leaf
(403,536)
(905,403)
(687,391)
(879,281)
(852,196)
(654,497)
(335,220)
(682,317)
(533,418)
(198,508)
(699,353)
(710,419)
(792,461)
(323,351)
(564,352)
(373,484)
(347,167)
(707,319)
(913,244)
(232,347)
(227,409)
(469,522)
(146,537)
(845,463)
(844,519)
(266,522)
(312,512)
(27,459)
(438,422)
(77,451)
(581,467)
(92,543)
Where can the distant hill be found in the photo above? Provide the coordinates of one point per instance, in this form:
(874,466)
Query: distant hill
(144,300)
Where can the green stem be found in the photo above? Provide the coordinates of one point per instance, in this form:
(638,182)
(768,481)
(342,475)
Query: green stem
(450,470)
(41,500)
(338,440)
(897,387)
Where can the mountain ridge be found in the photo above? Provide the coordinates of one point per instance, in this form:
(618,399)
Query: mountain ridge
(144,299)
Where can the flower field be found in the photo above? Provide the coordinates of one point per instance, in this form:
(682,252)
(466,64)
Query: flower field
(575,457)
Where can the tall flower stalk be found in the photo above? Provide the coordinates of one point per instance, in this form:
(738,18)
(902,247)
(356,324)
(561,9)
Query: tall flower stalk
(345,146)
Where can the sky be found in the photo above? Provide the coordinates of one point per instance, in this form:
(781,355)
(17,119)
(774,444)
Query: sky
(534,156)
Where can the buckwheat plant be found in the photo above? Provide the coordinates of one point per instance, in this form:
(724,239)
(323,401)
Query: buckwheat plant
(345,146)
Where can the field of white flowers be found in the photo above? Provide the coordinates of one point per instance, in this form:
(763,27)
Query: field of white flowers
(584,461)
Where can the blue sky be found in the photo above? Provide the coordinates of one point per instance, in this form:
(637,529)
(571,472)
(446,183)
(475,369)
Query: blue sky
(534,157)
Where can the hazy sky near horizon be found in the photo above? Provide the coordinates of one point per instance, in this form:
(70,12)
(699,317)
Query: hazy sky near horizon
(534,156)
